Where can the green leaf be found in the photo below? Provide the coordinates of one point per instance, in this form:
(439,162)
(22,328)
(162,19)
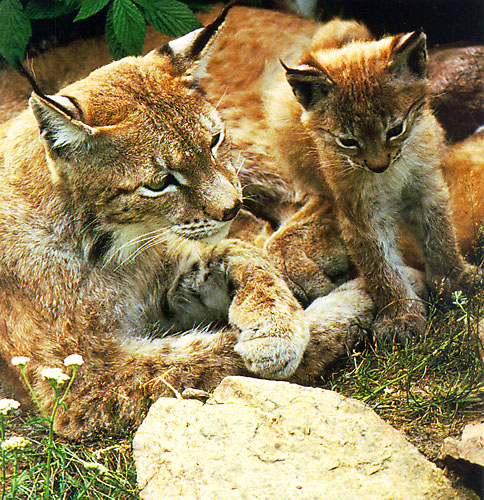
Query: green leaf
(48,9)
(114,46)
(170,16)
(15,31)
(89,8)
(127,27)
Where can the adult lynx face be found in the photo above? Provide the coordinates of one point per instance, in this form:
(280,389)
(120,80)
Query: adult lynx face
(137,142)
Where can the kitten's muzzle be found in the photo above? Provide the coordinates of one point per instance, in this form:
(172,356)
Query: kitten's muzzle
(379,169)
(378,164)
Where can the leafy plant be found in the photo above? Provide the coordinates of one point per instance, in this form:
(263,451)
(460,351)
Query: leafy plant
(34,464)
(125,22)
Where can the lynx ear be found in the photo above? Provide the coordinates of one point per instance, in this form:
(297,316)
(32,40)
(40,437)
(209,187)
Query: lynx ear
(409,55)
(190,53)
(309,85)
(60,124)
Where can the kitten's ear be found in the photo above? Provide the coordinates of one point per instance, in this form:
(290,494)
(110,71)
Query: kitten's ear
(409,55)
(191,53)
(61,127)
(309,85)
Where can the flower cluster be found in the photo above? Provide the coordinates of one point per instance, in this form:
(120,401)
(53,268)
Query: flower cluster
(20,361)
(73,360)
(15,443)
(8,404)
(54,375)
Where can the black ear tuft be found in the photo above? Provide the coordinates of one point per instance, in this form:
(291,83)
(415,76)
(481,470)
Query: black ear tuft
(409,55)
(189,53)
(207,33)
(310,85)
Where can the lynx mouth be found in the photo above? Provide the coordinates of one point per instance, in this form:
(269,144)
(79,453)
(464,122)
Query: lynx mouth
(379,170)
(206,231)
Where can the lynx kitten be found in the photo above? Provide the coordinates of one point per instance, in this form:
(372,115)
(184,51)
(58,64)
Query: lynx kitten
(362,108)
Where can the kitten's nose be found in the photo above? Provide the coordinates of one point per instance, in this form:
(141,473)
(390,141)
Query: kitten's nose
(230,213)
(378,164)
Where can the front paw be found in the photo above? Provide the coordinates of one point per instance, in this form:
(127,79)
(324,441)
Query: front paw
(400,328)
(272,356)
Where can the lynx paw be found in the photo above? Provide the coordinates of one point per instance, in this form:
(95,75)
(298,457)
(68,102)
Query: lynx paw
(402,329)
(269,356)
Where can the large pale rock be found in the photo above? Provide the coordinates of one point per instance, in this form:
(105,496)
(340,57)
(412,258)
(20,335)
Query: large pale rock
(260,439)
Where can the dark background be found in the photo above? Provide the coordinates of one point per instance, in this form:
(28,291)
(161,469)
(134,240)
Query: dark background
(444,21)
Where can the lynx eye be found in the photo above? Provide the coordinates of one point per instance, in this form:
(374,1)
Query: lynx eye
(166,185)
(396,131)
(348,142)
(217,139)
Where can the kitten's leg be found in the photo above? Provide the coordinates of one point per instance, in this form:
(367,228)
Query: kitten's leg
(272,328)
(309,253)
(373,247)
(428,218)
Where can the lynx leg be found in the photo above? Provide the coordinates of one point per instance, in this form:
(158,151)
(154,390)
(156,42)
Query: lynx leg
(309,253)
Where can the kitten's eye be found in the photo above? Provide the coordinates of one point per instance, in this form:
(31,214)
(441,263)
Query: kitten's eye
(167,184)
(348,142)
(396,131)
(217,139)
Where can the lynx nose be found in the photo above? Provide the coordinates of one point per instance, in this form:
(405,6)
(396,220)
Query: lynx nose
(230,213)
(378,165)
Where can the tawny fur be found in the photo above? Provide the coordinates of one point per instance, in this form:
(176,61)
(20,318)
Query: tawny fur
(69,286)
(367,140)
(114,197)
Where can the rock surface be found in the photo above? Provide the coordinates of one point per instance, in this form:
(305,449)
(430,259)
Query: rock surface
(470,447)
(260,439)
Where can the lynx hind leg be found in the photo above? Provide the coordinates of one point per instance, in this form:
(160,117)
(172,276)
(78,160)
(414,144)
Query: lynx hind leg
(336,322)
(309,253)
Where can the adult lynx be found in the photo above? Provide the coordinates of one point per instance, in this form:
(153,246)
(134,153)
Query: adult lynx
(105,218)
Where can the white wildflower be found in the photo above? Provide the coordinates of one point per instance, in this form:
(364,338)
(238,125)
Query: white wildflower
(15,443)
(73,359)
(8,404)
(94,466)
(55,375)
(20,360)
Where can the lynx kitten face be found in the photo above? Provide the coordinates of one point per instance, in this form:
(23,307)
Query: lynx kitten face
(363,100)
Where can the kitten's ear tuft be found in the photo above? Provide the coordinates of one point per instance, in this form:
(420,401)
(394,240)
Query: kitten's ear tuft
(409,55)
(59,120)
(310,85)
(190,53)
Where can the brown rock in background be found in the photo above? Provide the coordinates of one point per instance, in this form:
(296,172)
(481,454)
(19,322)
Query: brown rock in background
(456,76)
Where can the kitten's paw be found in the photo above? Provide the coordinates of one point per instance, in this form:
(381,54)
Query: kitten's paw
(401,329)
(271,356)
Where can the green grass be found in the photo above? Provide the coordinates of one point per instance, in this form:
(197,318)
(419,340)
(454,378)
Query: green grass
(101,469)
(429,389)
(434,386)
(43,466)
